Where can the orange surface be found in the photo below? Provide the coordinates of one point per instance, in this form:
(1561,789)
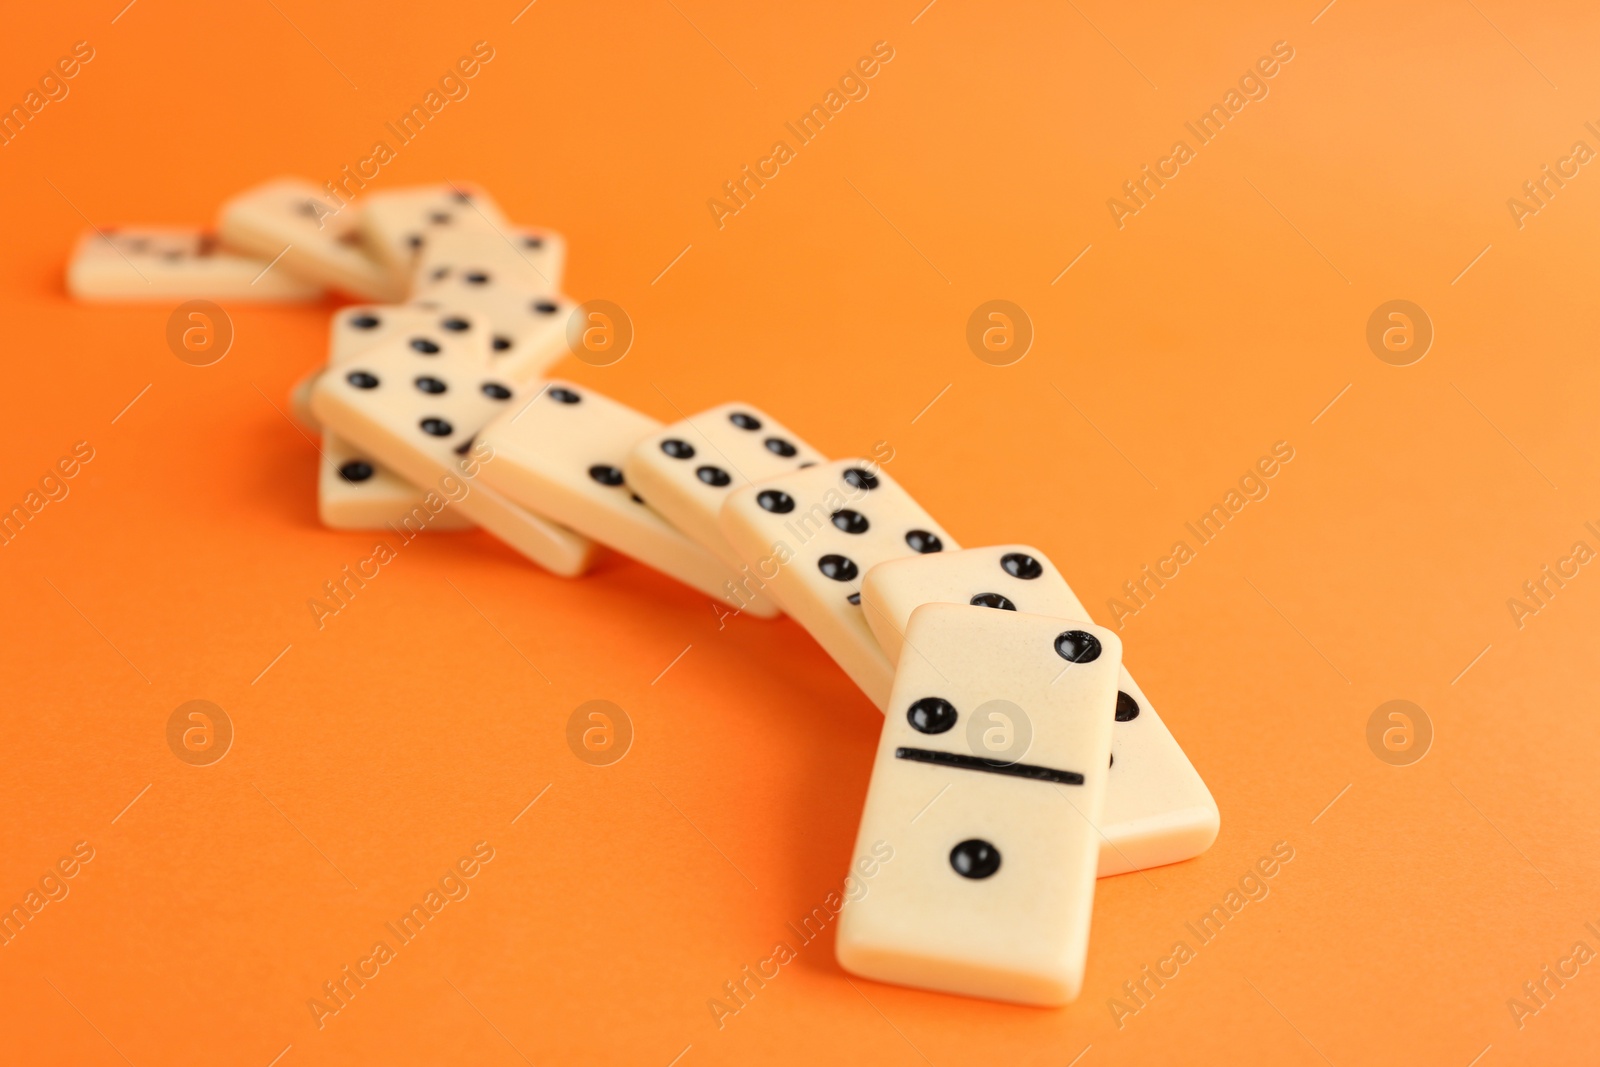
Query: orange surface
(1220,319)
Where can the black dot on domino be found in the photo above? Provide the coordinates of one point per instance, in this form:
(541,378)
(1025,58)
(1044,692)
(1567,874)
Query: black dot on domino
(779,447)
(931,715)
(357,470)
(924,542)
(501,342)
(851,522)
(414,241)
(365,322)
(362,379)
(839,568)
(437,427)
(860,479)
(545,307)
(533,242)
(456,324)
(476,277)
(677,449)
(744,422)
(776,501)
(714,476)
(975,858)
(430,385)
(1076,646)
(495,391)
(1127,707)
(439,218)
(424,346)
(1021,565)
(564,396)
(854,599)
(606,475)
(993,600)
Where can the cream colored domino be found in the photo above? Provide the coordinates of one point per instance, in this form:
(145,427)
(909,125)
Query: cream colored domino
(291,222)
(357,328)
(687,469)
(812,534)
(530,328)
(171,263)
(1157,810)
(397,224)
(355,493)
(560,455)
(980,819)
(300,400)
(535,259)
(418,412)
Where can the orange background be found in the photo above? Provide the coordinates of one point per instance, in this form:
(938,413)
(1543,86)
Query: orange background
(1223,318)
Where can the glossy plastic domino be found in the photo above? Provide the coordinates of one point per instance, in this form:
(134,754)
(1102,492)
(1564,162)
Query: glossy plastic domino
(560,455)
(1157,810)
(688,469)
(292,224)
(169,264)
(533,259)
(418,409)
(811,535)
(397,224)
(987,784)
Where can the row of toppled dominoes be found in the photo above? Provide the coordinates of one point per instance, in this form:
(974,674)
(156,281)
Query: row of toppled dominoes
(439,412)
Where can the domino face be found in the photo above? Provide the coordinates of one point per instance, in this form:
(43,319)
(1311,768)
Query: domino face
(398,224)
(536,260)
(560,455)
(360,327)
(355,493)
(417,407)
(688,469)
(1157,809)
(169,264)
(529,328)
(293,219)
(364,326)
(813,534)
(988,780)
